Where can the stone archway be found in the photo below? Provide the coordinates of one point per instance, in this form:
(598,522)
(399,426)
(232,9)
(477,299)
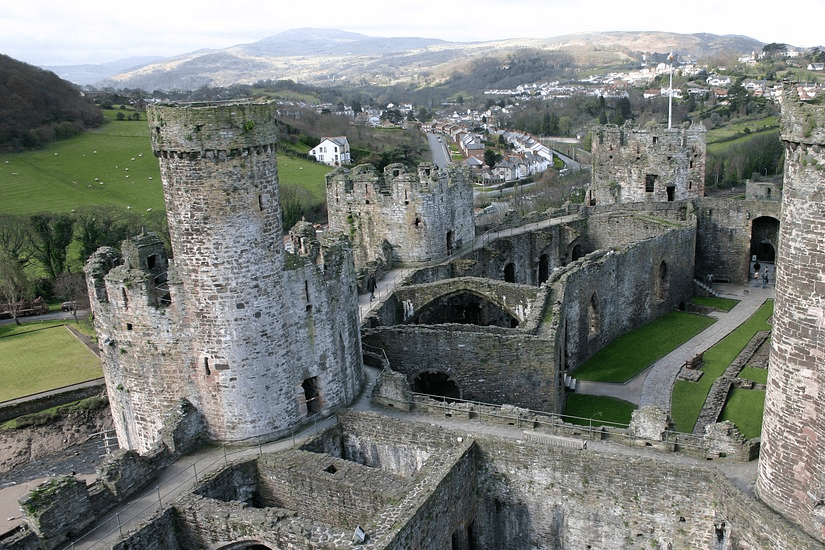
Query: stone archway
(246,545)
(438,383)
(544,268)
(466,308)
(510,273)
(764,238)
(576,252)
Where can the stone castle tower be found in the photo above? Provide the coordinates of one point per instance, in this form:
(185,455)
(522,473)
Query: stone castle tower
(257,339)
(792,459)
(401,216)
(633,164)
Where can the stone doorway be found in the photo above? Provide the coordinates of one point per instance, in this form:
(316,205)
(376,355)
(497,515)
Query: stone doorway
(764,236)
(312,395)
(436,383)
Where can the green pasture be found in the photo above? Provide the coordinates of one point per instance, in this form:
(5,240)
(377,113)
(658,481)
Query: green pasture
(630,354)
(112,165)
(738,126)
(720,146)
(40,356)
(597,410)
(689,397)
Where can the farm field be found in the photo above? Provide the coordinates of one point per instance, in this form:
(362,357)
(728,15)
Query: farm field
(112,165)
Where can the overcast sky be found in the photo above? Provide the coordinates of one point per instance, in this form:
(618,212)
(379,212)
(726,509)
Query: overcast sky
(57,32)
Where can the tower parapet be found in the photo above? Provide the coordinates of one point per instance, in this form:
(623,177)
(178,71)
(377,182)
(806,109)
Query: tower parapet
(792,462)
(632,164)
(401,216)
(256,338)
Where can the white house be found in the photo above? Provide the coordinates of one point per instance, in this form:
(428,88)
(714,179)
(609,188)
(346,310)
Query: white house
(332,150)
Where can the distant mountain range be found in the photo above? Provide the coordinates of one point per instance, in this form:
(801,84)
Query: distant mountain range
(324,57)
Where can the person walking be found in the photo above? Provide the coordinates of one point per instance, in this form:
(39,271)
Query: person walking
(371,286)
(765,278)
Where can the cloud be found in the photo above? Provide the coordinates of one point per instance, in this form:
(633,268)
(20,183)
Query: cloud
(52,32)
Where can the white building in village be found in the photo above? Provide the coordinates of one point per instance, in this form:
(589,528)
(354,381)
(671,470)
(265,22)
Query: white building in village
(332,150)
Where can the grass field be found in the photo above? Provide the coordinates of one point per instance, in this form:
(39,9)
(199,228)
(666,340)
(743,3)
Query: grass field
(628,355)
(42,356)
(689,397)
(602,410)
(112,165)
(738,127)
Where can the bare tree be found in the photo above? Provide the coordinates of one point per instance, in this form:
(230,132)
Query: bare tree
(15,287)
(71,287)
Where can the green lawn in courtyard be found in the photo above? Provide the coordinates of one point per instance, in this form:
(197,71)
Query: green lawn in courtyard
(722,304)
(628,355)
(602,410)
(741,408)
(689,397)
(760,376)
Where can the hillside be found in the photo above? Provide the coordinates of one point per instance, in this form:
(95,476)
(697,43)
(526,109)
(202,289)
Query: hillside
(332,57)
(36,106)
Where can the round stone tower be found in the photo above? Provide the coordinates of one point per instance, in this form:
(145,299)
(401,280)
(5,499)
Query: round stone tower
(256,338)
(792,459)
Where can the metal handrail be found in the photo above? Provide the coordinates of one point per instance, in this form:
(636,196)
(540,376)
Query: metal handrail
(593,424)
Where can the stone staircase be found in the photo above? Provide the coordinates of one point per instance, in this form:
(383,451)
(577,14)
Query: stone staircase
(705,287)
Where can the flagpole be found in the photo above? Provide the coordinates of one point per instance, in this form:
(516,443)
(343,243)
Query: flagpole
(670,94)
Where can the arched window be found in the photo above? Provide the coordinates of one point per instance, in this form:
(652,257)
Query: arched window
(662,282)
(593,317)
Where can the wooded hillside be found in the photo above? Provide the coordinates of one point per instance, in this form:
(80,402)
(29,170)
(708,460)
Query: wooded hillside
(36,106)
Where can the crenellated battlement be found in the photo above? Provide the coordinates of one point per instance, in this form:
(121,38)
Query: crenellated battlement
(801,123)
(651,164)
(401,215)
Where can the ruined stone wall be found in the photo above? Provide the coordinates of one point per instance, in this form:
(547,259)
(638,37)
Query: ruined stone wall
(612,226)
(792,461)
(515,299)
(723,236)
(489,492)
(632,164)
(532,496)
(492,365)
(609,293)
(320,323)
(401,216)
(331,490)
(143,357)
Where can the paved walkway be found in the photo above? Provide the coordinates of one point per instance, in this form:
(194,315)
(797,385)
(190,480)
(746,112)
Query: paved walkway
(653,387)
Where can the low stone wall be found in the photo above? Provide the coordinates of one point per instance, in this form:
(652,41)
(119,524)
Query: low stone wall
(61,396)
